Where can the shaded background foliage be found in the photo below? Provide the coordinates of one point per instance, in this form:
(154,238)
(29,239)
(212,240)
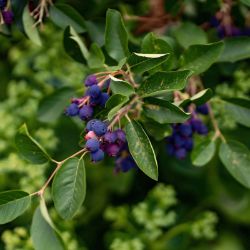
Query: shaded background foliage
(30,73)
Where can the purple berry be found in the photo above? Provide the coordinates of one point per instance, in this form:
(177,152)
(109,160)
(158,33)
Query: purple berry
(8,16)
(72,110)
(185,129)
(127,164)
(202,130)
(112,149)
(89,126)
(121,136)
(86,112)
(94,101)
(97,156)
(99,128)
(92,145)
(3,4)
(110,137)
(90,80)
(180,153)
(203,109)
(94,91)
(104,98)
(199,127)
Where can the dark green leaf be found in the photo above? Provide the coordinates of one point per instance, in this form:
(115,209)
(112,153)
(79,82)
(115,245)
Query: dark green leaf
(162,82)
(140,63)
(163,111)
(236,158)
(96,58)
(202,97)
(42,234)
(52,106)
(30,149)
(74,46)
(236,48)
(69,187)
(141,149)
(203,153)
(29,28)
(12,205)
(64,15)
(246,2)
(239,109)
(121,87)
(116,38)
(198,58)
(189,34)
(156,130)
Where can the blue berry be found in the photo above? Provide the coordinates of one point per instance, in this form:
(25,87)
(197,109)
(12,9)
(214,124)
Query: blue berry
(185,129)
(178,141)
(188,143)
(180,153)
(110,137)
(202,130)
(72,110)
(104,98)
(92,145)
(127,164)
(97,156)
(91,80)
(89,126)
(8,16)
(94,101)
(94,91)
(3,4)
(86,112)
(170,149)
(203,109)
(99,128)
(199,127)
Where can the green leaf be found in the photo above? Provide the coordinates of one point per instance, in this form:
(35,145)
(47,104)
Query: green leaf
(239,109)
(42,233)
(12,205)
(163,111)
(156,130)
(236,49)
(141,149)
(162,82)
(198,58)
(74,46)
(29,28)
(96,57)
(202,97)
(189,34)
(203,153)
(140,63)
(246,2)
(116,38)
(69,187)
(29,148)
(63,15)
(236,158)
(153,44)
(121,87)
(51,107)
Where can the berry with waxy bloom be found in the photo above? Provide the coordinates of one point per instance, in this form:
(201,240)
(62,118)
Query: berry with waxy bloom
(97,155)
(99,128)
(92,145)
(86,112)
(72,110)
(94,91)
(91,80)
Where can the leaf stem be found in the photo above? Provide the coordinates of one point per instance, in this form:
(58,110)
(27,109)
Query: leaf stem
(59,164)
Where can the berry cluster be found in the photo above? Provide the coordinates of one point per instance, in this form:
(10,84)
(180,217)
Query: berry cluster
(181,140)
(84,107)
(5,13)
(227,30)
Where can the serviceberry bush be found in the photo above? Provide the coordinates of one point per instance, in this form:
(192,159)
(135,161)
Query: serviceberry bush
(144,99)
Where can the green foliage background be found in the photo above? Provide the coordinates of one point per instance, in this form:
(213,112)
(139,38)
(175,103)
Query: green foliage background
(192,208)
